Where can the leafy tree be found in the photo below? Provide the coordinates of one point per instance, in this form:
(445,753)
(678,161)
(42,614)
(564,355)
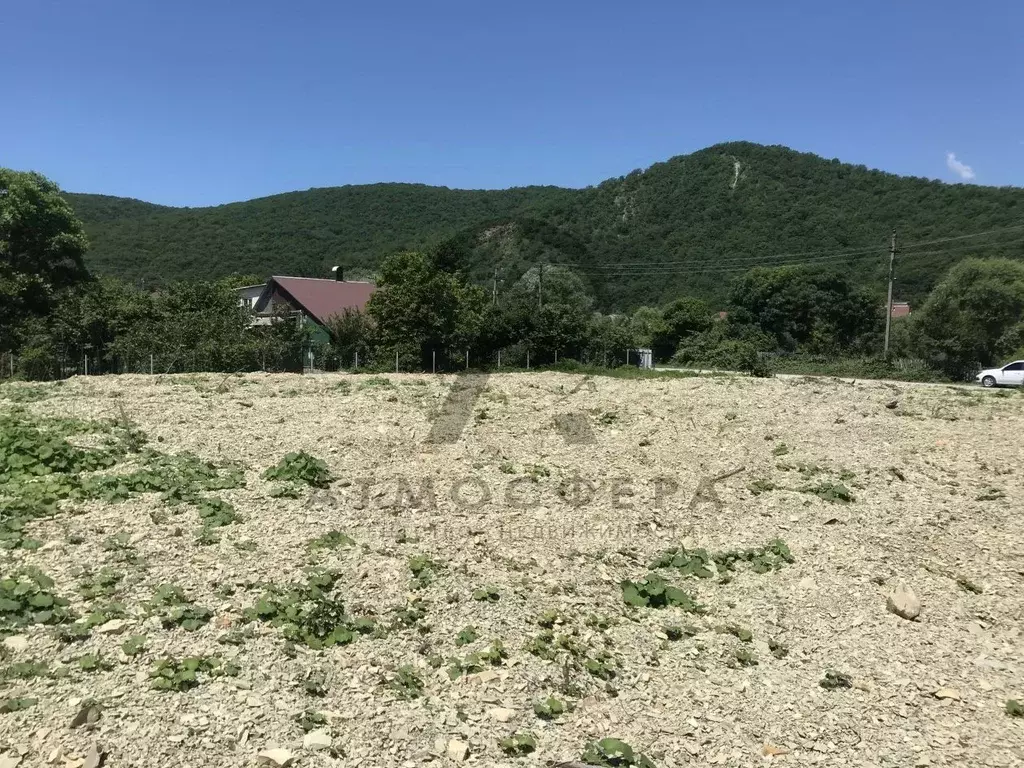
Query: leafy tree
(550,312)
(351,334)
(972,317)
(110,319)
(417,303)
(42,245)
(728,344)
(645,325)
(800,305)
(680,320)
(608,338)
(453,253)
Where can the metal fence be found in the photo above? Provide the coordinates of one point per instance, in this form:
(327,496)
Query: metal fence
(517,357)
(52,366)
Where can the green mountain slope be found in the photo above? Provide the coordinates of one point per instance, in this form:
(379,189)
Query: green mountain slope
(687,225)
(300,233)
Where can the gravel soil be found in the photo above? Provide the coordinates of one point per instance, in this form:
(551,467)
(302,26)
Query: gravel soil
(554,490)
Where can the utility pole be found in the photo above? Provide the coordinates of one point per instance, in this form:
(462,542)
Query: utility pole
(888,307)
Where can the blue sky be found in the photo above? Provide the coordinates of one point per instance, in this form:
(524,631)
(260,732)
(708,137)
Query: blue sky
(199,103)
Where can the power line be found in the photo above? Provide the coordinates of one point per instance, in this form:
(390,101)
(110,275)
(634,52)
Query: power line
(721,266)
(965,237)
(716,266)
(752,258)
(756,259)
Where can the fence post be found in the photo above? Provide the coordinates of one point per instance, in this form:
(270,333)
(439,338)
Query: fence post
(150,363)
(499,358)
(357,359)
(627,355)
(467,359)
(556,357)
(527,359)
(85,358)
(396,361)
(433,361)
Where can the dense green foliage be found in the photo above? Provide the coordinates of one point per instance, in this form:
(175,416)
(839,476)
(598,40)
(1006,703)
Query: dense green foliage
(185,327)
(297,233)
(420,308)
(41,249)
(975,314)
(707,217)
(430,311)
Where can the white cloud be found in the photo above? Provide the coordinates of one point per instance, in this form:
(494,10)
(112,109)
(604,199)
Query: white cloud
(962,170)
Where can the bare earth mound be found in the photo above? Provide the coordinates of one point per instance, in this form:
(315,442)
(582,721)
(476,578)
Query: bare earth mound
(482,532)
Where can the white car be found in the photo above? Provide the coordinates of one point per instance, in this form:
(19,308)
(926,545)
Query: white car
(1011,375)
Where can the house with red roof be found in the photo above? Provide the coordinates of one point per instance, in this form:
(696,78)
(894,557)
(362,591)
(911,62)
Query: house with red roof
(314,300)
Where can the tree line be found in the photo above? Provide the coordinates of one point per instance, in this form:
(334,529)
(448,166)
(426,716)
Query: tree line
(430,312)
(685,219)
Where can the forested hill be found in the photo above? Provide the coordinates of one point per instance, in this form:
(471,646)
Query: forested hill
(298,233)
(684,226)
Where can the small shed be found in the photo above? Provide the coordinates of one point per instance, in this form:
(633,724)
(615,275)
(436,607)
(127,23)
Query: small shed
(644,357)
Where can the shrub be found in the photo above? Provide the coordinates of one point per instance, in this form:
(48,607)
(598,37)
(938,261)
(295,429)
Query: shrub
(308,613)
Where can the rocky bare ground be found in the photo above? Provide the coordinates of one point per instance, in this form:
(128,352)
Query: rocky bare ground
(557,489)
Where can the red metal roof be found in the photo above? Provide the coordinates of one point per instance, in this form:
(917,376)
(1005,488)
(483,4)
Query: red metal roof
(322,299)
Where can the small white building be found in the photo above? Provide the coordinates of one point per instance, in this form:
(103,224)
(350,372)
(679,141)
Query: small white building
(247,295)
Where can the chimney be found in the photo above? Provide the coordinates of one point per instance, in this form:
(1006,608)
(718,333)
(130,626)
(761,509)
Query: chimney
(339,274)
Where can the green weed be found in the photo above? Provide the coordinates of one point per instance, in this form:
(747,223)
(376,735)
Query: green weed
(173,675)
(494,656)
(424,570)
(612,753)
(309,613)
(27,597)
(102,584)
(300,468)
(834,680)
(550,708)
(406,683)
(332,540)
(654,592)
(831,492)
(487,594)
(310,720)
(134,645)
(466,636)
(17,705)
(518,744)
